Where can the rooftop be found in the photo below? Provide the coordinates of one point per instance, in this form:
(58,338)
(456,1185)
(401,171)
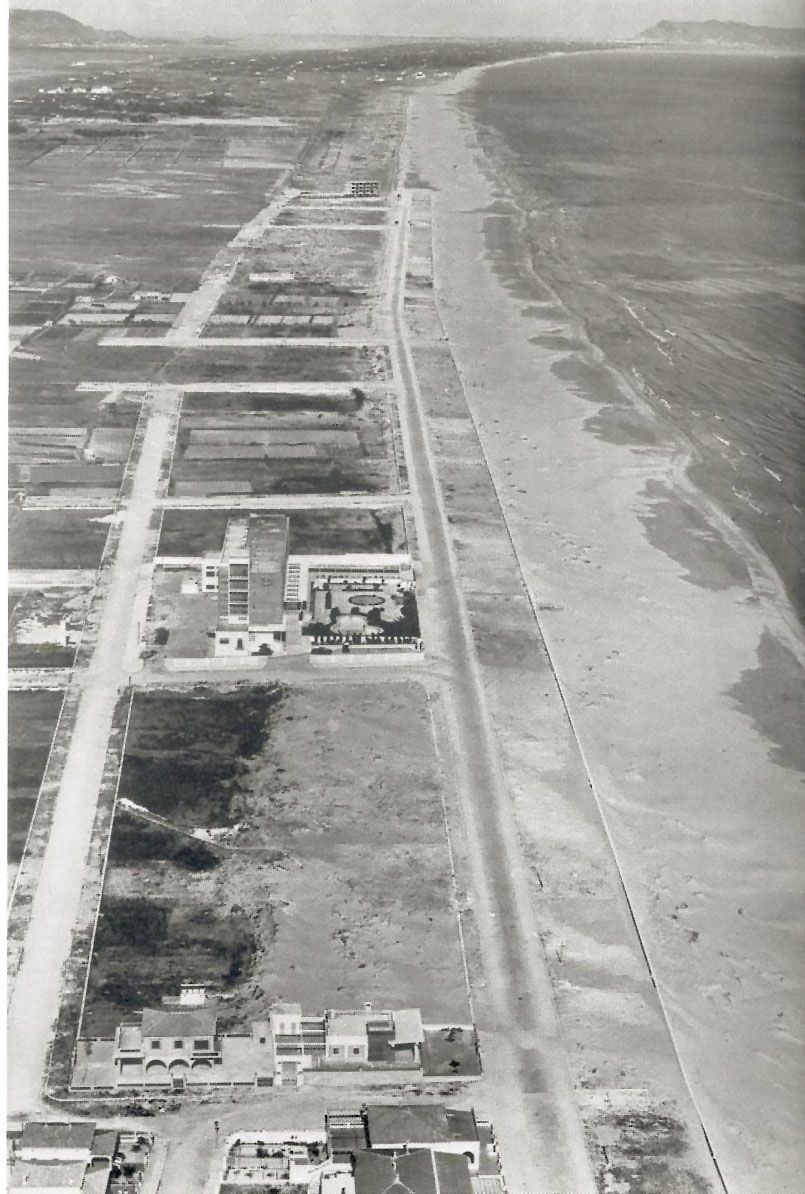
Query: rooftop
(286,1009)
(408,1027)
(347,1023)
(105,1142)
(47,1175)
(236,537)
(268,554)
(390,1124)
(179,1023)
(422,1172)
(39,1134)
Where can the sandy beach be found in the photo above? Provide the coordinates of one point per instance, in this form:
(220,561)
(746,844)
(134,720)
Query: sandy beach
(648,696)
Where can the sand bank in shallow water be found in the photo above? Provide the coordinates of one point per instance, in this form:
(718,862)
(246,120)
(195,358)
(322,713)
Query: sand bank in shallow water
(681,665)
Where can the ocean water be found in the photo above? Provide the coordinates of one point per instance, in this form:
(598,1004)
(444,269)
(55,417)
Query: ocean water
(662,197)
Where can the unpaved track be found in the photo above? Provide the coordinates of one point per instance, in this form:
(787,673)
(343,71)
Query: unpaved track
(34,1002)
(219,273)
(538,1125)
(291,501)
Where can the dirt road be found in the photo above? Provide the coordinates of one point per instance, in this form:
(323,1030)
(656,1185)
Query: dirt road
(202,302)
(539,1129)
(34,1000)
(288,501)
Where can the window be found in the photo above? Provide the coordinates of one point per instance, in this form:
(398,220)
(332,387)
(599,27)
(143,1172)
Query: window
(336,1051)
(178,1044)
(262,1040)
(156,1044)
(356,1052)
(239,644)
(223,640)
(202,1044)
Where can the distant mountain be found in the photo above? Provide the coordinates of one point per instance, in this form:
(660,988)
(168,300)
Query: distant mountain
(44,27)
(724,33)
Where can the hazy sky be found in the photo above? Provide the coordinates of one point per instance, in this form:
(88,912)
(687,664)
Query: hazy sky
(539,18)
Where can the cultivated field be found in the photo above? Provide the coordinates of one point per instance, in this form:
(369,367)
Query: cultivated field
(156,204)
(56,538)
(336,884)
(307,450)
(32,718)
(192,532)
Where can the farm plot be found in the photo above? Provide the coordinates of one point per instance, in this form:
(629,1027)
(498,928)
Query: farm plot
(263,302)
(294,363)
(42,409)
(305,452)
(56,538)
(149,201)
(192,532)
(32,719)
(294,902)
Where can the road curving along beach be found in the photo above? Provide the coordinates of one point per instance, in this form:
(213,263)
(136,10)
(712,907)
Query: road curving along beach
(654,761)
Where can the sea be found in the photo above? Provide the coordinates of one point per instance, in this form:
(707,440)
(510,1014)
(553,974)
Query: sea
(662,196)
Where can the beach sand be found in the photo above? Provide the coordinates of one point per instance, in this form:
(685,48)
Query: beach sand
(645,671)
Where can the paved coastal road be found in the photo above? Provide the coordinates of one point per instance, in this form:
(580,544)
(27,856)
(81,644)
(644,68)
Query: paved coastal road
(538,1125)
(35,997)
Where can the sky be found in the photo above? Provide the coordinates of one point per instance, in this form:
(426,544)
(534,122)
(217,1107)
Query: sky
(259,20)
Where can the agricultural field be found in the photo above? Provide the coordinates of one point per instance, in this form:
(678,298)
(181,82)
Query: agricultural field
(161,200)
(61,409)
(56,538)
(301,451)
(192,532)
(32,720)
(292,902)
(263,302)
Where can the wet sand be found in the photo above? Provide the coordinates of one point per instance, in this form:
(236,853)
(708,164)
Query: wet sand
(680,661)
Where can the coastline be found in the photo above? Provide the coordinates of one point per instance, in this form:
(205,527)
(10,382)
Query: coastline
(675,649)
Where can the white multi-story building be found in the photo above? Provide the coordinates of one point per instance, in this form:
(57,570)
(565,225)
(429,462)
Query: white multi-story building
(265,594)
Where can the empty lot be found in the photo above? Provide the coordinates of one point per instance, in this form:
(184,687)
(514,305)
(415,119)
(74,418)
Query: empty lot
(337,888)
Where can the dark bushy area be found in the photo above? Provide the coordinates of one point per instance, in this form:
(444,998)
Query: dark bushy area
(134,841)
(40,655)
(32,719)
(145,949)
(192,532)
(184,755)
(55,539)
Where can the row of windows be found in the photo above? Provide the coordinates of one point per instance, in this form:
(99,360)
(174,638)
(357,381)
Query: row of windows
(198,1045)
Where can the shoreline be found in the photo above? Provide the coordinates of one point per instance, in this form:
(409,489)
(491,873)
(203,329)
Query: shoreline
(667,673)
(773,531)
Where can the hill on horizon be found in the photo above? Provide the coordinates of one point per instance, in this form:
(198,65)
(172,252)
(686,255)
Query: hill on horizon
(724,33)
(45,27)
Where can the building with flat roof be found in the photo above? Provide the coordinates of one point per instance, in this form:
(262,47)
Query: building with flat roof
(364,188)
(394,1128)
(179,1046)
(250,582)
(267,597)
